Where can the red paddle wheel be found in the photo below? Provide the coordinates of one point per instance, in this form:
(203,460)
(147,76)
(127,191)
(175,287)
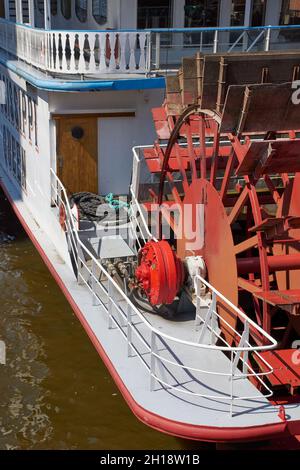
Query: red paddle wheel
(229,188)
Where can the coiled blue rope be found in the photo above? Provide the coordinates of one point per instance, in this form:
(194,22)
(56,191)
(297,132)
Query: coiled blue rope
(116,203)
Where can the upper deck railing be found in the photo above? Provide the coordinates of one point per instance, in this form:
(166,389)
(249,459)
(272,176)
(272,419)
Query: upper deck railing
(106,52)
(77,52)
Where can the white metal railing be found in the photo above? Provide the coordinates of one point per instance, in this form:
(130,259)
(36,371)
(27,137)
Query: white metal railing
(168,46)
(77,52)
(137,211)
(159,352)
(211,320)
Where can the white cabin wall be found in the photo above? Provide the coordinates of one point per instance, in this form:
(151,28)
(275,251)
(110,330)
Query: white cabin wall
(37,193)
(128,14)
(102,101)
(117,135)
(115,157)
(114,13)
(42,178)
(38,165)
(273,12)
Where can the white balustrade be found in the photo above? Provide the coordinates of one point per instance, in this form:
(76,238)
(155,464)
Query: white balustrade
(77,52)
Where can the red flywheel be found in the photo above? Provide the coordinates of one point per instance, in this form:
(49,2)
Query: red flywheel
(160,273)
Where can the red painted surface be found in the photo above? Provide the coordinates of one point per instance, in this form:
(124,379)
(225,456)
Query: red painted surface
(160,273)
(280,297)
(160,423)
(275,263)
(286,365)
(154,164)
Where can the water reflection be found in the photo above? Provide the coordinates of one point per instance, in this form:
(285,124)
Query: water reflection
(55,393)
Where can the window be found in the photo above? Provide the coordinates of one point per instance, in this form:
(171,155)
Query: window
(39,6)
(9,150)
(258,12)
(30,118)
(200,14)
(25,11)
(66,8)
(24,112)
(15,157)
(290,15)
(53,7)
(99,10)
(12,11)
(18,162)
(237,18)
(81,10)
(2,9)
(290,12)
(238,12)
(154,14)
(23,168)
(35,126)
(5,145)
(203,13)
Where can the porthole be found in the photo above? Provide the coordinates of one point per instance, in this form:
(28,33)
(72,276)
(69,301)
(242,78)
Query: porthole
(77,132)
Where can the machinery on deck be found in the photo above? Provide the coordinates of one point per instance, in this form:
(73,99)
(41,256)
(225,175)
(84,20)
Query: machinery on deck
(225,179)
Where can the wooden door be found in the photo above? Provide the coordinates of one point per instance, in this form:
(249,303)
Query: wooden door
(77,153)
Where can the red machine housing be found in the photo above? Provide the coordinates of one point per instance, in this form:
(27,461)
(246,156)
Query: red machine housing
(160,272)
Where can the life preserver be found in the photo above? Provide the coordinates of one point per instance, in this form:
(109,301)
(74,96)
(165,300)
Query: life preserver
(62,217)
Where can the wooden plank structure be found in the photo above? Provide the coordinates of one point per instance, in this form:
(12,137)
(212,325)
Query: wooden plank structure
(205,79)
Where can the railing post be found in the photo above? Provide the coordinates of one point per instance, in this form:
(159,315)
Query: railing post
(267,39)
(198,303)
(201,41)
(213,320)
(246,342)
(94,284)
(157,51)
(110,305)
(215,48)
(149,52)
(53,189)
(153,361)
(79,264)
(231,383)
(210,322)
(129,331)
